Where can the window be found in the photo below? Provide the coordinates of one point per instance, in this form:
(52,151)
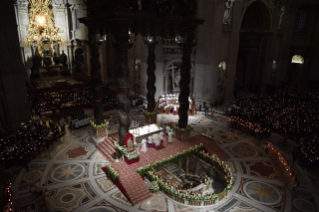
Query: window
(301,20)
(297,59)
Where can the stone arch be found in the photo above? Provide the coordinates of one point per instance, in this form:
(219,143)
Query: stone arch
(260,11)
(256,23)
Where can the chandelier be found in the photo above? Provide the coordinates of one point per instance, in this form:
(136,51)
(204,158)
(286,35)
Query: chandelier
(41,27)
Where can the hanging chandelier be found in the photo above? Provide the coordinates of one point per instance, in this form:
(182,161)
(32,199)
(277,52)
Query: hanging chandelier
(41,27)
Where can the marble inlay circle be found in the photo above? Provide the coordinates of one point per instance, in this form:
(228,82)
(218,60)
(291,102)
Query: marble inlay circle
(243,150)
(89,139)
(67,172)
(67,197)
(304,205)
(262,193)
(32,175)
(302,193)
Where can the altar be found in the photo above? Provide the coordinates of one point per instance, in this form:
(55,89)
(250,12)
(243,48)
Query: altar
(144,131)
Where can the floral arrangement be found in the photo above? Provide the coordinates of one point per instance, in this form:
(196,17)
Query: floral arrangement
(177,193)
(103,125)
(154,187)
(208,182)
(123,149)
(187,129)
(111,173)
(150,113)
(182,195)
(158,164)
(207,136)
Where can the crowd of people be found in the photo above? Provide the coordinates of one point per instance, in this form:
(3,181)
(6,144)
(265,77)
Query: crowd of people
(7,197)
(248,127)
(295,115)
(109,100)
(290,114)
(136,100)
(309,151)
(30,139)
(51,101)
(56,100)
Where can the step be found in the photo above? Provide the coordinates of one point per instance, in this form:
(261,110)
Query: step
(141,198)
(141,194)
(109,151)
(106,155)
(109,143)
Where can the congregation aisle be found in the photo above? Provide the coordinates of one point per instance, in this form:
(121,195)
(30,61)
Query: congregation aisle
(71,172)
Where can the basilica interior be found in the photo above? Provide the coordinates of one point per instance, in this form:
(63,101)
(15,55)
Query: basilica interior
(159,105)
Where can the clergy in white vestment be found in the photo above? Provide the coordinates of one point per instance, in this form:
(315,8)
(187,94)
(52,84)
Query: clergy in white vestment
(150,141)
(161,137)
(170,137)
(143,148)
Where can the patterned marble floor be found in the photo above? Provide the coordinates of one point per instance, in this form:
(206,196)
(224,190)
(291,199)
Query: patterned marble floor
(71,171)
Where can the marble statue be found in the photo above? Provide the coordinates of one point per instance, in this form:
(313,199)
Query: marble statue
(63,59)
(177,79)
(221,76)
(281,16)
(123,116)
(227,16)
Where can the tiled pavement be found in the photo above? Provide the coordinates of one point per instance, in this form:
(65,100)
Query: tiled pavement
(76,183)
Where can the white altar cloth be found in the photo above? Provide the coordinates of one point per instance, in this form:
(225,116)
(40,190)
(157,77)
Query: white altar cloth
(144,131)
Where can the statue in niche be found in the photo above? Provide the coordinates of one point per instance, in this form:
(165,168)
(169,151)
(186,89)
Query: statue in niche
(63,59)
(227,16)
(281,16)
(221,76)
(177,79)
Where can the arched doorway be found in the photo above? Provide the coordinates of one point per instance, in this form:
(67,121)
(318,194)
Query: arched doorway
(254,36)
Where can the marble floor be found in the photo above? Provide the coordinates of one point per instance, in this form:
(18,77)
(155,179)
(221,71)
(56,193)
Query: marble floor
(71,172)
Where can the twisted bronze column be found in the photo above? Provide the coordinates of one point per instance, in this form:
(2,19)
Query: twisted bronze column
(151,89)
(122,45)
(94,44)
(184,83)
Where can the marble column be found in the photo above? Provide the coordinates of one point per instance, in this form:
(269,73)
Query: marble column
(186,46)
(151,89)
(94,44)
(122,44)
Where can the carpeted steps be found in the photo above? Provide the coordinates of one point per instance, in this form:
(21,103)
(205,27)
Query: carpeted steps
(106,148)
(135,188)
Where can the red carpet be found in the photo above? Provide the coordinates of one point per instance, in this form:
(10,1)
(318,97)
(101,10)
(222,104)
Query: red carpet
(106,148)
(133,185)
